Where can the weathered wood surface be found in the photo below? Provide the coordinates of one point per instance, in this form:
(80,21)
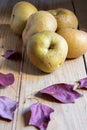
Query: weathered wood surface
(29,80)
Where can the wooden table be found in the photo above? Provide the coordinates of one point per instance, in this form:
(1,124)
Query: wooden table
(29,80)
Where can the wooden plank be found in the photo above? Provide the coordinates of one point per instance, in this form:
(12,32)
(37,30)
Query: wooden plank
(66,116)
(52,4)
(81,10)
(9,41)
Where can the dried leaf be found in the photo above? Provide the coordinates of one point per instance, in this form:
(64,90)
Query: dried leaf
(62,92)
(40,115)
(83,83)
(7,108)
(6,79)
(11,54)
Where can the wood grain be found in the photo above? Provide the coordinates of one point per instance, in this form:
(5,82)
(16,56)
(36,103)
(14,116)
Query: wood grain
(81,9)
(8,40)
(29,80)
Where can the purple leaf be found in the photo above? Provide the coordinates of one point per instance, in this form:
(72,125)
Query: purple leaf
(62,92)
(40,115)
(83,83)
(6,79)
(11,54)
(7,108)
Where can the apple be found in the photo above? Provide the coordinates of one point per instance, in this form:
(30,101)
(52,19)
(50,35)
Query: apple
(76,40)
(38,22)
(20,14)
(47,50)
(65,18)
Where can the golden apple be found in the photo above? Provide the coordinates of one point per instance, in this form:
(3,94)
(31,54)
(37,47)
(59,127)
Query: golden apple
(38,22)
(76,40)
(20,13)
(47,50)
(65,18)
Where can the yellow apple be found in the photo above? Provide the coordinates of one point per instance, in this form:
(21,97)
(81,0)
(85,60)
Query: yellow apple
(65,18)
(47,50)
(38,22)
(76,40)
(20,13)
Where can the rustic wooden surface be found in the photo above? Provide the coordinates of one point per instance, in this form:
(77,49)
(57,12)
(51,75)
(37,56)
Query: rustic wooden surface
(29,80)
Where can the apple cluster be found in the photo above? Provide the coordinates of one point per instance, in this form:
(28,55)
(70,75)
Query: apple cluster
(49,36)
